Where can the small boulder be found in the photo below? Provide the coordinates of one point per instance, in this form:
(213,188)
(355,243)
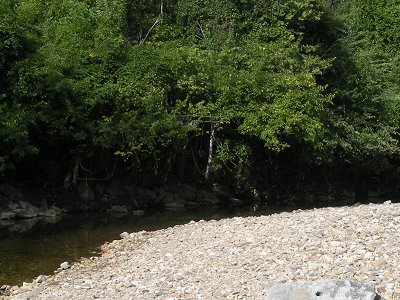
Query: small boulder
(41,278)
(119,209)
(51,212)
(4,289)
(27,212)
(138,212)
(13,205)
(236,201)
(124,235)
(322,290)
(65,265)
(23,209)
(6,215)
(26,286)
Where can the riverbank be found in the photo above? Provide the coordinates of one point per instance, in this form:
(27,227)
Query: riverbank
(118,196)
(239,258)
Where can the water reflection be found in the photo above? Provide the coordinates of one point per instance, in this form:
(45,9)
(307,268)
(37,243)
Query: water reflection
(32,247)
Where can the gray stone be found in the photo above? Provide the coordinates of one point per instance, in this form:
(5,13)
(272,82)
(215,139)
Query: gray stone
(4,289)
(236,202)
(65,265)
(173,201)
(51,212)
(52,219)
(6,215)
(23,209)
(26,286)
(13,205)
(120,208)
(28,212)
(24,204)
(138,212)
(124,235)
(41,278)
(322,290)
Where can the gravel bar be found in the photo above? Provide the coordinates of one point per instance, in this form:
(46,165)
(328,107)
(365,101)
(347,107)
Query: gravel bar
(238,258)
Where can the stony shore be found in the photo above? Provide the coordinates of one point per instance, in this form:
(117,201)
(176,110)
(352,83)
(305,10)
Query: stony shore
(239,258)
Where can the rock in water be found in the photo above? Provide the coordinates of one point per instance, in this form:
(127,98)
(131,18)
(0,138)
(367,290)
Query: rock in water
(322,290)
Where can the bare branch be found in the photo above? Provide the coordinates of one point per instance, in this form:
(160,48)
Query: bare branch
(155,23)
(100,179)
(86,170)
(201,29)
(148,32)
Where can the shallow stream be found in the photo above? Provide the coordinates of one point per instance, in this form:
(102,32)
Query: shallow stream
(32,247)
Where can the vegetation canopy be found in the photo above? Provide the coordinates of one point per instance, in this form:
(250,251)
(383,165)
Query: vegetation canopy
(253,94)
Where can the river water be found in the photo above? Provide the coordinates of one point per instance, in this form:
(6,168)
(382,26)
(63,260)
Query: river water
(32,247)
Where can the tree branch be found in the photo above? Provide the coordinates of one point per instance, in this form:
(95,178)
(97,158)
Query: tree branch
(155,23)
(148,32)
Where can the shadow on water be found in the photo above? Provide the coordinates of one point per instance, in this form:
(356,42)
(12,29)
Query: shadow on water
(32,247)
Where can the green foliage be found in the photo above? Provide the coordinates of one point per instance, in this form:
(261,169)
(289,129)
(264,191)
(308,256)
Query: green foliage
(14,117)
(382,19)
(14,135)
(364,121)
(150,80)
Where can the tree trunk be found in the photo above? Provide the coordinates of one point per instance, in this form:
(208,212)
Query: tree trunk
(210,153)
